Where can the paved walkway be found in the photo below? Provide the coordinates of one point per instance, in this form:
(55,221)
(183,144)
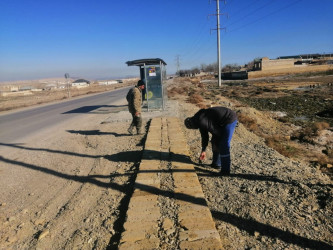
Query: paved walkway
(191,226)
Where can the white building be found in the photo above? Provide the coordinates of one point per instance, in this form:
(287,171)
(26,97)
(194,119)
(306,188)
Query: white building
(108,82)
(80,83)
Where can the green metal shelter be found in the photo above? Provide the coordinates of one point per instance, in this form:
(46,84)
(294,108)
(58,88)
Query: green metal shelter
(153,73)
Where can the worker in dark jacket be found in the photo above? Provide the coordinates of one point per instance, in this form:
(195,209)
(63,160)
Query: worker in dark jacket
(221,123)
(134,99)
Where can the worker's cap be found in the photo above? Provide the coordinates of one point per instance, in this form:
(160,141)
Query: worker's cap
(190,123)
(141,82)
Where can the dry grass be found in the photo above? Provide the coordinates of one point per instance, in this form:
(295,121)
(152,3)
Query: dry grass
(177,91)
(194,80)
(248,122)
(280,143)
(283,146)
(319,126)
(197,99)
(280,135)
(15,102)
(307,134)
(192,91)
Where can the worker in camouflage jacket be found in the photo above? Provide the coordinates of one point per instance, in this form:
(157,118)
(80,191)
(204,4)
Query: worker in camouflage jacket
(134,99)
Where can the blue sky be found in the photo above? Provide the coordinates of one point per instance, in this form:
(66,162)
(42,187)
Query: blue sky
(94,38)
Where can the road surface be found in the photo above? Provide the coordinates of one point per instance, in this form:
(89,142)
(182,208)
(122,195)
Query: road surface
(14,126)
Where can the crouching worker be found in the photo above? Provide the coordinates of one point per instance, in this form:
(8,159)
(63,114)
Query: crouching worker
(134,99)
(221,123)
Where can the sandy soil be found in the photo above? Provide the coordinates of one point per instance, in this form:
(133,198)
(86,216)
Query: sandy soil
(70,190)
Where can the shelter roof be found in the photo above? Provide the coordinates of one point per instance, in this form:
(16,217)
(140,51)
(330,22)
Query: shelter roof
(81,80)
(147,61)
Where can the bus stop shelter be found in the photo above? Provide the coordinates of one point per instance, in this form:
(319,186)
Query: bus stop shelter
(153,73)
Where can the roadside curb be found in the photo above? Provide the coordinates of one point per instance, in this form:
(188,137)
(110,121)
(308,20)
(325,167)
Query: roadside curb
(193,226)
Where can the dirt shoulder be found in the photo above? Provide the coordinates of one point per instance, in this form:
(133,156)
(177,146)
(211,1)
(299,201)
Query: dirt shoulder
(67,188)
(269,201)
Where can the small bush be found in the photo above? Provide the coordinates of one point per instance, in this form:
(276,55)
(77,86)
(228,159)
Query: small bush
(283,119)
(194,80)
(322,159)
(303,135)
(200,85)
(195,98)
(279,144)
(319,126)
(202,105)
(306,134)
(248,122)
(178,90)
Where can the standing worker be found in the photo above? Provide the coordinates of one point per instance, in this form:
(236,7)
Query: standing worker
(221,123)
(134,99)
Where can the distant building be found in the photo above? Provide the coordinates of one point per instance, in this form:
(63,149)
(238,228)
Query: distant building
(267,64)
(25,88)
(80,83)
(288,62)
(9,88)
(108,82)
(50,86)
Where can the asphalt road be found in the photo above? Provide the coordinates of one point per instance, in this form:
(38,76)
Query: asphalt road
(16,125)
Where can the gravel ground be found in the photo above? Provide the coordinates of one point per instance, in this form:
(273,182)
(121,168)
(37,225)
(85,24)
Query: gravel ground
(269,201)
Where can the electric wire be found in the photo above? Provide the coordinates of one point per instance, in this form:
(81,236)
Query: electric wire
(265,16)
(252,12)
(203,44)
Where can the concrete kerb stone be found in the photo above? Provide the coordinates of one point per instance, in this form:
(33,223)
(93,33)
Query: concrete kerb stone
(141,227)
(190,197)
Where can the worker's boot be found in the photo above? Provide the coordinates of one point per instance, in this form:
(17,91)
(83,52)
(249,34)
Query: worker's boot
(130,129)
(139,125)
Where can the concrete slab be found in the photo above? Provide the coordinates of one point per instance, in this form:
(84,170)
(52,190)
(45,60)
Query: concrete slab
(166,145)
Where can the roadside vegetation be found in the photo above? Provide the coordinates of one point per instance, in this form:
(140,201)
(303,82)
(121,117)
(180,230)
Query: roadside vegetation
(294,114)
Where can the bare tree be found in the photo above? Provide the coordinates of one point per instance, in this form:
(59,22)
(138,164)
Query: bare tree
(249,66)
(231,67)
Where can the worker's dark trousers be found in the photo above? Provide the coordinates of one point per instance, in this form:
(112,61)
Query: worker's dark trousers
(221,147)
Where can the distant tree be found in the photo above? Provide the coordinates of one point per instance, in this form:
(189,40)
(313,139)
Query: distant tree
(249,66)
(211,67)
(195,70)
(231,67)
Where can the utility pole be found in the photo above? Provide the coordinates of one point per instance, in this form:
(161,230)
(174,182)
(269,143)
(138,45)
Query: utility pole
(68,85)
(177,63)
(218,41)
(218,28)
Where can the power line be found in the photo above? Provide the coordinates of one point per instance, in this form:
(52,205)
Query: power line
(246,7)
(196,41)
(254,11)
(271,13)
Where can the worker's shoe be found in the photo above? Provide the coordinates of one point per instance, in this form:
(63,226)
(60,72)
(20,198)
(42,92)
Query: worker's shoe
(225,172)
(130,130)
(213,165)
(139,132)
